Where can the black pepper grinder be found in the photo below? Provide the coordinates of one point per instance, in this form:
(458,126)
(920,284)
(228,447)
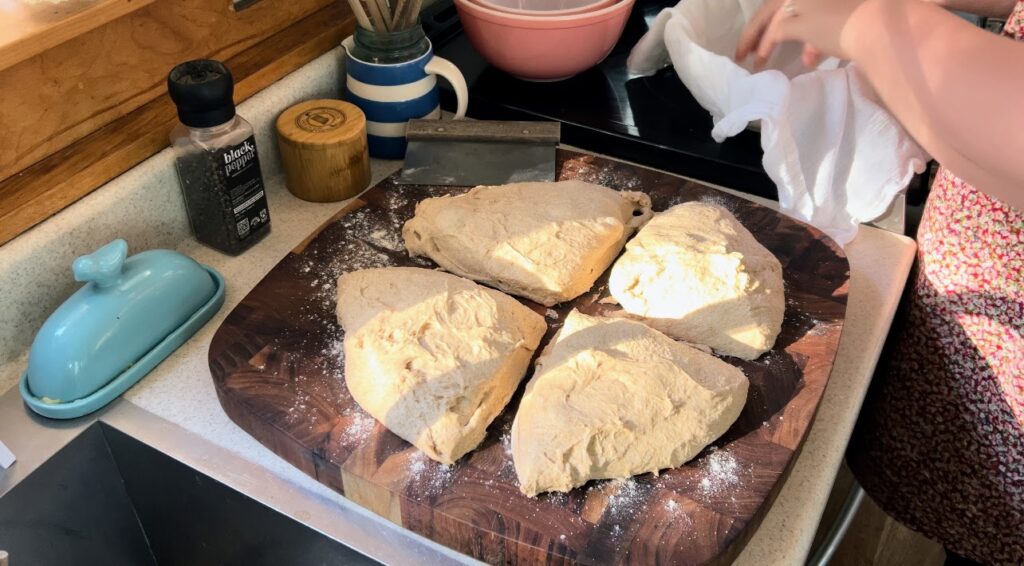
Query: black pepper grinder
(216,158)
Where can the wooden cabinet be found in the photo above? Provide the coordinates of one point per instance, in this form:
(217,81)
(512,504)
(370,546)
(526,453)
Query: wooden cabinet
(31,27)
(85,109)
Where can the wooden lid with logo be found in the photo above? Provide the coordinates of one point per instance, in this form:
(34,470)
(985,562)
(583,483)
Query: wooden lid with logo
(323,150)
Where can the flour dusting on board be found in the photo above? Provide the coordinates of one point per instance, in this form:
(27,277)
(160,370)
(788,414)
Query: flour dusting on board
(719,200)
(627,494)
(336,351)
(431,476)
(395,199)
(723,473)
(359,428)
(506,446)
(557,498)
(611,177)
(627,505)
(300,409)
(417,463)
(373,237)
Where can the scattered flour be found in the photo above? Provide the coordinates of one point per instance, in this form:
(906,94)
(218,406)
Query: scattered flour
(395,199)
(626,495)
(386,239)
(506,443)
(723,473)
(360,427)
(433,475)
(720,201)
(627,503)
(336,350)
(584,169)
(417,463)
(300,409)
(557,498)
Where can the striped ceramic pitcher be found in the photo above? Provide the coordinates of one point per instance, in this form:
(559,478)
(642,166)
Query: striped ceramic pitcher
(392,94)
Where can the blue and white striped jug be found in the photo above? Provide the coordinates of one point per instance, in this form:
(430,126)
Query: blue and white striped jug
(392,94)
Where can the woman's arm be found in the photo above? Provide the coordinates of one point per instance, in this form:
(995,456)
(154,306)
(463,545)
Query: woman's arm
(957,89)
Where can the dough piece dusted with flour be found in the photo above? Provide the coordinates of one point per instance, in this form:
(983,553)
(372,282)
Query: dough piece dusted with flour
(547,242)
(433,356)
(695,273)
(611,398)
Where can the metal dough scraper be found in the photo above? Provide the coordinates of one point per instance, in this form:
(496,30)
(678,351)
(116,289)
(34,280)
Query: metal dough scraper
(479,152)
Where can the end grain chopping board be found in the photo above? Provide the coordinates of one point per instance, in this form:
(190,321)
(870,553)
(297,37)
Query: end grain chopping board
(278,369)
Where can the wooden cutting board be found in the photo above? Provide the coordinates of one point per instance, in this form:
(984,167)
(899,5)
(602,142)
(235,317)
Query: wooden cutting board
(278,369)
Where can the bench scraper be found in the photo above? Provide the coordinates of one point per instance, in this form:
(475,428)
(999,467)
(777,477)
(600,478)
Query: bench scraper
(479,152)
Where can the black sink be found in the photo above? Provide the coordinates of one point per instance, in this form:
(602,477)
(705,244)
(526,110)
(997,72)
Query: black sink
(108,499)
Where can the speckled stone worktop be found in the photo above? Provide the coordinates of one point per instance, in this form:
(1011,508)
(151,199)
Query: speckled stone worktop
(144,207)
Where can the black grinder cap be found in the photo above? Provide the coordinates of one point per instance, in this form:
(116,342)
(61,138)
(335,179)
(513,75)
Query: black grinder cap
(202,90)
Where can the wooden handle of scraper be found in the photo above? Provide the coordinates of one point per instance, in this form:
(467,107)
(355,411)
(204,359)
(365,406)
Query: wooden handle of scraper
(484,131)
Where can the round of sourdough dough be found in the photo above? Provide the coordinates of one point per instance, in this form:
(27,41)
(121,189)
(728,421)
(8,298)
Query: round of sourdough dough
(547,242)
(611,398)
(432,356)
(695,273)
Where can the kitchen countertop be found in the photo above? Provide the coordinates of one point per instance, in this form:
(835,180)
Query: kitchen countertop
(143,206)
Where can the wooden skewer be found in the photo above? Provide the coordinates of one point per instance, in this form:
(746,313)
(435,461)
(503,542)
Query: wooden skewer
(397,22)
(375,16)
(413,12)
(385,8)
(378,15)
(360,14)
(385,14)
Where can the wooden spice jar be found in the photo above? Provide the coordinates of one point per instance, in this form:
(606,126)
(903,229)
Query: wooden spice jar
(323,150)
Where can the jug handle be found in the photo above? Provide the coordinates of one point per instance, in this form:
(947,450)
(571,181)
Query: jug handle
(448,70)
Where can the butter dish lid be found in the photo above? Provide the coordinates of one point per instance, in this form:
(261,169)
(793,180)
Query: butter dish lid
(130,314)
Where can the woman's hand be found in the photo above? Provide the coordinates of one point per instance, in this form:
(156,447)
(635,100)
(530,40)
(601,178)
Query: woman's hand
(818,24)
(928,67)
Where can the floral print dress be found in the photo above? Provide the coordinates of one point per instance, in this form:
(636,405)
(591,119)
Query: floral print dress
(940,441)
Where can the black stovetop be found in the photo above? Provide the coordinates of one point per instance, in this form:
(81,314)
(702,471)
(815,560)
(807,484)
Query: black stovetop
(652,120)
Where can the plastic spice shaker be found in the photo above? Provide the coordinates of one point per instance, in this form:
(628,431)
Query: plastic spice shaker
(216,158)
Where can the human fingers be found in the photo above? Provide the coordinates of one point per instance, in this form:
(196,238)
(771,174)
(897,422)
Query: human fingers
(810,56)
(769,40)
(754,30)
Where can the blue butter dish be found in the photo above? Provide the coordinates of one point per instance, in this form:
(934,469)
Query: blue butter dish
(130,315)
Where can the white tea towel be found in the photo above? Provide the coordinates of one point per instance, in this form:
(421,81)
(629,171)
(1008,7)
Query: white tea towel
(836,155)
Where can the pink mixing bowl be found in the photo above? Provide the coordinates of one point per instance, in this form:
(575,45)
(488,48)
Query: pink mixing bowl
(544,8)
(543,48)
